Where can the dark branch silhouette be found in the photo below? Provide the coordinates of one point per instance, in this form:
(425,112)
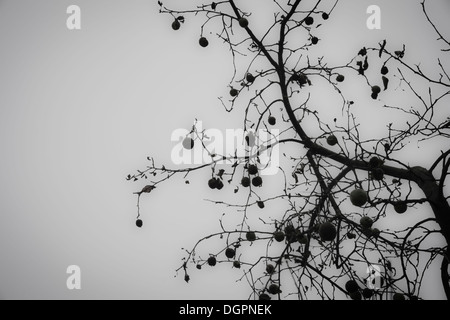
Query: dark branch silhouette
(343,200)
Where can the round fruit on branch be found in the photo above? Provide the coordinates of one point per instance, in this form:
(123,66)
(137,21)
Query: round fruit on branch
(332,140)
(309,20)
(252,169)
(377,174)
(358,197)
(188,143)
(245,181)
(278,236)
(340,78)
(400,207)
(270,268)
(250,78)
(212,183)
(274,289)
(351,286)
(212,261)
(243,22)
(203,42)
(257,181)
(272,120)
(376,89)
(327,231)
(230,253)
(366,222)
(250,236)
(176,24)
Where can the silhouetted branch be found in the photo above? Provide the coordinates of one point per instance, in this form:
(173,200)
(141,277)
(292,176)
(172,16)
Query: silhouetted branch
(321,232)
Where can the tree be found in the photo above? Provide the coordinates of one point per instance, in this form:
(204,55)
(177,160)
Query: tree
(341,223)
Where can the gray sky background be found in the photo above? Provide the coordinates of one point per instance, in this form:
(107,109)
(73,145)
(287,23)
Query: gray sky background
(79,110)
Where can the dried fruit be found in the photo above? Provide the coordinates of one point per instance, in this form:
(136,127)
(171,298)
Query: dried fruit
(270,268)
(358,197)
(245,181)
(398,296)
(376,89)
(367,293)
(309,20)
(188,143)
(212,183)
(375,162)
(332,140)
(252,169)
(257,181)
(230,253)
(278,236)
(233,92)
(351,286)
(203,42)
(366,222)
(250,236)
(272,120)
(212,261)
(378,174)
(243,22)
(327,231)
(400,207)
(176,24)
(264,296)
(274,288)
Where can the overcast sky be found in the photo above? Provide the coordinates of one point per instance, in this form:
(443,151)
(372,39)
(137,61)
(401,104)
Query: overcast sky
(81,109)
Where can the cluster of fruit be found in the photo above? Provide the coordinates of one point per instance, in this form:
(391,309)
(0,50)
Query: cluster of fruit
(230,252)
(355,292)
(250,78)
(375,89)
(309,21)
(203,41)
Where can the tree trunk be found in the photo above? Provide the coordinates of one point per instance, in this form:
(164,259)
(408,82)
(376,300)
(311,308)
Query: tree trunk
(441,210)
